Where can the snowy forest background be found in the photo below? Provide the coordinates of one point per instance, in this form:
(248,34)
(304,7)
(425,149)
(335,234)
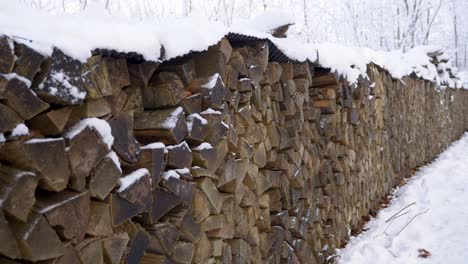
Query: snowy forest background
(378,24)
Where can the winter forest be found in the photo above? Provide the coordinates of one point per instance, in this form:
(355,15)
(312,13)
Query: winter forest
(378,24)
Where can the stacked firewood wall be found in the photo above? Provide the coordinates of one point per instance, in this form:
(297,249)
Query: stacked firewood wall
(216,157)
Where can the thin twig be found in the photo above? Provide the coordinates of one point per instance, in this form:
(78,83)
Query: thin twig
(411,220)
(393,216)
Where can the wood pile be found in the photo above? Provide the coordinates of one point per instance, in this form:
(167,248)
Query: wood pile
(218,157)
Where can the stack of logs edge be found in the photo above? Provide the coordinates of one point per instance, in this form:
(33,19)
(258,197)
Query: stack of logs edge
(217,157)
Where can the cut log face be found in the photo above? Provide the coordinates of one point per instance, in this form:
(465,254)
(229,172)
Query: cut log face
(9,246)
(163,238)
(36,239)
(163,202)
(86,149)
(7,58)
(100,222)
(164,89)
(184,190)
(208,156)
(51,123)
(183,252)
(125,145)
(67,212)
(192,104)
(168,125)
(197,128)
(153,158)
(134,102)
(63,83)
(28,62)
(45,156)
(256,54)
(213,87)
(136,187)
(137,247)
(214,196)
(212,61)
(104,177)
(90,251)
(122,209)
(17,192)
(141,73)
(237,62)
(114,248)
(111,74)
(8,119)
(179,156)
(233,175)
(186,70)
(200,206)
(22,99)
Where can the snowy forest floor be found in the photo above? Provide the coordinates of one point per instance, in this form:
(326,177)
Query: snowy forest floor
(426,221)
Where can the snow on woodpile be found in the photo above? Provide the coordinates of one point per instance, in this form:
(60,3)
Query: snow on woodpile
(71,33)
(99,125)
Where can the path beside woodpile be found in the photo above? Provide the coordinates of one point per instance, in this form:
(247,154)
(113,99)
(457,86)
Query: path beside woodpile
(428,218)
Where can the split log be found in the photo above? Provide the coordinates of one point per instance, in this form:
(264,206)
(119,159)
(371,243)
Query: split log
(163,237)
(200,206)
(7,58)
(28,61)
(111,75)
(22,99)
(153,158)
(197,128)
(141,73)
(104,176)
(214,60)
(165,89)
(167,125)
(237,62)
(36,239)
(163,202)
(136,187)
(17,191)
(47,157)
(62,82)
(256,54)
(67,212)
(9,246)
(8,119)
(183,190)
(192,104)
(71,256)
(86,149)
(179,156)
(100,222)
(233,174)
(186,70)
(134,100)
(215,198)
(122,209)
(114,248)
(183,252)
(138,244)
(51,123)
(125,145)
(90,251)
(211,87)
(325,79)
(208,156)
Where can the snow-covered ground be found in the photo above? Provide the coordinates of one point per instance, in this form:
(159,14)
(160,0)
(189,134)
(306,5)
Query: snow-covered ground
(430,213)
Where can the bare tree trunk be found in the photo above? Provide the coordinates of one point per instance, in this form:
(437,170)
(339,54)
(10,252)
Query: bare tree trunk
(455,38)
